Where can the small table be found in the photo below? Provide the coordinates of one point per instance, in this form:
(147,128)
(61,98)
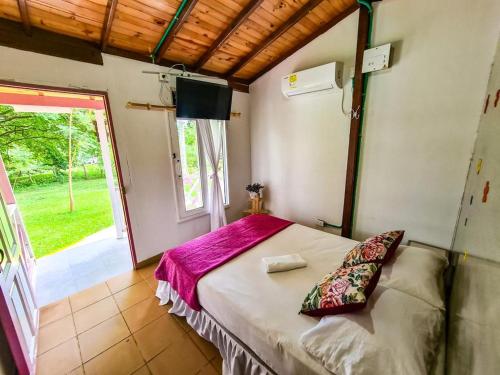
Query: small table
(250,212)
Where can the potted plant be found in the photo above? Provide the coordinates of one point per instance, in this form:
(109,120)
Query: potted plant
(254,190)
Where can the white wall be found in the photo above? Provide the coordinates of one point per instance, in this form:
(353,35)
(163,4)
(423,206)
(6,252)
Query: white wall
(419,129)
(142,139)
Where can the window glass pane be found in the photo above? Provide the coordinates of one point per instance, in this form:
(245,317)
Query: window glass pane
(218,127)
(190,164)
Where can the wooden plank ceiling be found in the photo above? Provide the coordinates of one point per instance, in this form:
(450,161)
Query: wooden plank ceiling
(235,39)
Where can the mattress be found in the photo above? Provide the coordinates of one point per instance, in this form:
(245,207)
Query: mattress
(241,303)
(261,309)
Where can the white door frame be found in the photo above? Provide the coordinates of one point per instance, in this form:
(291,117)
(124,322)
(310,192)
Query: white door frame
(116,203)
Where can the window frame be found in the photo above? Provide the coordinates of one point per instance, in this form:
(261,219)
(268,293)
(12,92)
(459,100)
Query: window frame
(225,163)
(183,214)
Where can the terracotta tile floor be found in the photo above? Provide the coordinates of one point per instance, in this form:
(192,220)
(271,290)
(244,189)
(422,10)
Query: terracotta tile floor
(118,328)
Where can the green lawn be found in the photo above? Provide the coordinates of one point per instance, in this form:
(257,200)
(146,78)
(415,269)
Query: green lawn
(50,225)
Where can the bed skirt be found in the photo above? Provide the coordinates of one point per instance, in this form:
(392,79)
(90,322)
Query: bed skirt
(237,358)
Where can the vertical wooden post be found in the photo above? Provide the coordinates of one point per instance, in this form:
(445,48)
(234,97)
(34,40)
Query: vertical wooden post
(70,164)
(355,133)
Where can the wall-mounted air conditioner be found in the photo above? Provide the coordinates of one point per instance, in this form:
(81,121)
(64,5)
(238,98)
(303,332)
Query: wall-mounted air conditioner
(321,78)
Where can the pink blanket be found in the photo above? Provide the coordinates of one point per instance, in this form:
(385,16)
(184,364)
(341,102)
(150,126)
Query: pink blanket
(183,266)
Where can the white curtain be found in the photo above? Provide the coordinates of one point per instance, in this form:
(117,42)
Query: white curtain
(213,148)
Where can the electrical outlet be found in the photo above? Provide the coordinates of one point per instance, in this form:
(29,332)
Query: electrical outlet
(320,223)
(376,58)
(163,77)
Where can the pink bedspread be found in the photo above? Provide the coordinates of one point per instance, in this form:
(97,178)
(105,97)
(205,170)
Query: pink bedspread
(183,266)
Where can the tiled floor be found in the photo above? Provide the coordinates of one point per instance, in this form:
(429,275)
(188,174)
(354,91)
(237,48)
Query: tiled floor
(92,261)
(117,327)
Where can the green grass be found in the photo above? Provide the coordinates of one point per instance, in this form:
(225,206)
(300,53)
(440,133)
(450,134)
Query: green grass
(50,225)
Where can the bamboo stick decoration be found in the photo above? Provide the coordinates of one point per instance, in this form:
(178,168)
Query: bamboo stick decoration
(156,107)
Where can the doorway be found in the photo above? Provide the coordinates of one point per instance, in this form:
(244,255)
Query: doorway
(60,171)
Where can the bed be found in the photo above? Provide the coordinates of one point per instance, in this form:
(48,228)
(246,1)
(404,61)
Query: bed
(252,316)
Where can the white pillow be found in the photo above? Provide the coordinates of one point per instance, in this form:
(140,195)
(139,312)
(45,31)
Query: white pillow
(417,272)
(394,334)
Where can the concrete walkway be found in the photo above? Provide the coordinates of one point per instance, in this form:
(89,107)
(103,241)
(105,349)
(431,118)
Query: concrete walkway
(89,262)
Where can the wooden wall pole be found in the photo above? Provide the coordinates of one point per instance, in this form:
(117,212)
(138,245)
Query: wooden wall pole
(356,121)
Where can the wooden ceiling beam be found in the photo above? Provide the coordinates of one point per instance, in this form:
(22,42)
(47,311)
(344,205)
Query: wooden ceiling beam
(296,17)
(228,32)
(183,16)
(23,11)
(324,28)
(108,22)
(63,46)
(48,43)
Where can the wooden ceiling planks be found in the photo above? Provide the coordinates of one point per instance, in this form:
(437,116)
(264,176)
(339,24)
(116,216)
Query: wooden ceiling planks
(284,27)
(206,22)
(79,18)
(139,24)
(177,26)
(9,9)
(238,39)
(253,32)
(324,28)
(316,15)
(228,32)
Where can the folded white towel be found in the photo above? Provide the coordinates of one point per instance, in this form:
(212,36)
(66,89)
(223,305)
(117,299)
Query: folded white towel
(283,263)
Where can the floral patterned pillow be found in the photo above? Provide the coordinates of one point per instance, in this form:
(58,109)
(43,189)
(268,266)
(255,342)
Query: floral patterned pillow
(342,291)
(377,249)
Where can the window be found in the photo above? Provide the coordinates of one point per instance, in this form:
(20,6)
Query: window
(192,170)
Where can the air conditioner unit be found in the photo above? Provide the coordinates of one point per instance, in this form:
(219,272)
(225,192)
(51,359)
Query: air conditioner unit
(321,78)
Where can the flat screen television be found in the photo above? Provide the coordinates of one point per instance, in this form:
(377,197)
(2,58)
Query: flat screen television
(203,100)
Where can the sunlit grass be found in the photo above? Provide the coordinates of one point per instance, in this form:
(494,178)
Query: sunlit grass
(50,225)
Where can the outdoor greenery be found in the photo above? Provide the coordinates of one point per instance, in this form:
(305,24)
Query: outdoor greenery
(37,143)
(51,226)
(191,178)
(190,163)
(191,143)
(55,167)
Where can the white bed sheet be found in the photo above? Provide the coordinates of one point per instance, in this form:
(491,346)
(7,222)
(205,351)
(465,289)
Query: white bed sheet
(261,309)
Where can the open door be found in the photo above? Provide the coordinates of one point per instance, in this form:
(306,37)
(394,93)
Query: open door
(18,310)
